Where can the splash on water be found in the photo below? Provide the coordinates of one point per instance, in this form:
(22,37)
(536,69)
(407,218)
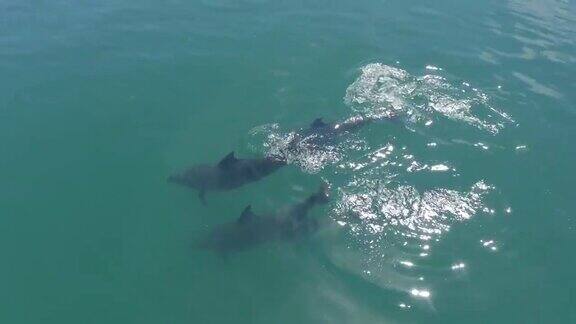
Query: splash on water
(374,210)
(391,220)
(383,89)
(305,153)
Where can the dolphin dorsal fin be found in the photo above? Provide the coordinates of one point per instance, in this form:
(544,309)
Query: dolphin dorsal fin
(246,216)
(228,160)
(318,122)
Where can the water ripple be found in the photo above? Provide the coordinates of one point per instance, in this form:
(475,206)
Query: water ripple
(383,89)
(377,210)
(383,203)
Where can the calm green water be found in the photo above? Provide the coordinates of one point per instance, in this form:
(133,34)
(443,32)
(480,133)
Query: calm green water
(462,211)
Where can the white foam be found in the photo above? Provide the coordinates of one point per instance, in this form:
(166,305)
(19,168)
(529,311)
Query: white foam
(439,168)
(382,89)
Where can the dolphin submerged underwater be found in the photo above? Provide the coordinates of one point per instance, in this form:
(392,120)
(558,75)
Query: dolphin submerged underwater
(231,172)
(251,229)
(228,174)
(321,133)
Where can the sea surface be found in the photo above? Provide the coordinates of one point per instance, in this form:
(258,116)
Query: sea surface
(461,209)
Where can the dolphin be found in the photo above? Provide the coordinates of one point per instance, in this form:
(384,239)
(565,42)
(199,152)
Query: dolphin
(251,229)
(320,132)
(319,127)
(228,174)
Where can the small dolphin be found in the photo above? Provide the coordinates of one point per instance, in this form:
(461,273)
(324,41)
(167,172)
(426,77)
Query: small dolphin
(320,132)
(229,173)
(319,127)
(251,229)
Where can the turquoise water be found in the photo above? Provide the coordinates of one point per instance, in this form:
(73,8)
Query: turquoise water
(460,211)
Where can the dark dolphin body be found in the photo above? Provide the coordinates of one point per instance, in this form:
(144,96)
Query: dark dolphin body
(320,132)
(229,173)
(251,229)
(319,127)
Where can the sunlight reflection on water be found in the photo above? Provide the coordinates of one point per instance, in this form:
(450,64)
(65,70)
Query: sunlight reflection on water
(391,221)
